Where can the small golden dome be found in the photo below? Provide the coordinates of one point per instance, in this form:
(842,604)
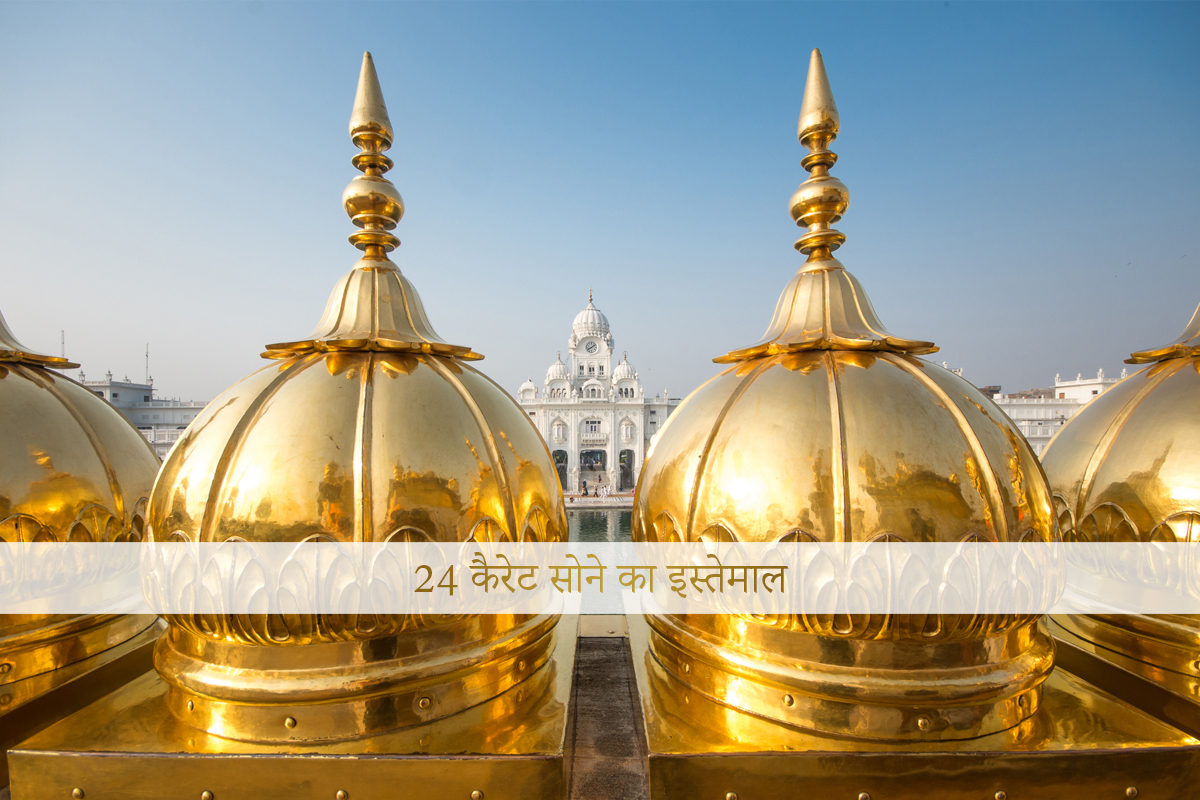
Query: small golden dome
(372,429)
(830,429)
(72,468)
(1125,469)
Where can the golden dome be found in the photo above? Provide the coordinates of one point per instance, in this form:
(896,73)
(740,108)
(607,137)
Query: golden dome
(72,468)
(831,429)
(372,429)
(1125,469)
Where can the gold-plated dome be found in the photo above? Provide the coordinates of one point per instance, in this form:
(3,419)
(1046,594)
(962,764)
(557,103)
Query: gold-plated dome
(831,430)
(373,429)
(72,469)
(1125,469)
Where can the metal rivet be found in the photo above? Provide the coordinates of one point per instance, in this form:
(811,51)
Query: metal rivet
(424,702)
(1196,666)
(521,664)
(342,794)
(206,795)
(687,668)
(789,701)
(923,723)
(290,722)
(191,706)
(1131,792)
(731,796)
(5,668)
(77,793)
(1001,795)
(476,795)
(864,796)
(5,699)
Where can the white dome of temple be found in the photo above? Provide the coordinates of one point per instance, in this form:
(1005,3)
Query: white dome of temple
(624,371)
(558,371)
(590,321)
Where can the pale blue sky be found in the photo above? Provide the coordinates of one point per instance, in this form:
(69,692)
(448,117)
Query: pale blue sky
(1025,178)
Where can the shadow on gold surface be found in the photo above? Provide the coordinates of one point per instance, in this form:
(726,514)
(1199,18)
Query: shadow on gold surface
(33,704)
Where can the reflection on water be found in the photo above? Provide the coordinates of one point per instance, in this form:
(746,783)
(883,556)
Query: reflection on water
(600,526)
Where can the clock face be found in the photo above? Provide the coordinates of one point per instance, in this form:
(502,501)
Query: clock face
(590,347)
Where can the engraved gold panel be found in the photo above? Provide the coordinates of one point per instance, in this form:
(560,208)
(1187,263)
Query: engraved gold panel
(372,429)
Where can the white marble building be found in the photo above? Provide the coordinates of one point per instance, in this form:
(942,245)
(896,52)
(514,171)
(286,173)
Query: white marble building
(160,421)
(596,418)
(1039,414)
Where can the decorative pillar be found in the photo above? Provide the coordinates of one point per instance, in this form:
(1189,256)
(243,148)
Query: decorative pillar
(337,706)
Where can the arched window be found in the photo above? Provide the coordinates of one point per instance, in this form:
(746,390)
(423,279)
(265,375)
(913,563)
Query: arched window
(592,426)
(627,430)
(559,430)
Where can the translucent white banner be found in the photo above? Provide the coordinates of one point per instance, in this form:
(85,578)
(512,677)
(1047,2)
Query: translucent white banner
(599,578)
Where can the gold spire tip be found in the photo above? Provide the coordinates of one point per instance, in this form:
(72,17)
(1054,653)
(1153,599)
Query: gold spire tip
(822,199)
(373,203)
(818,111)
(370,112)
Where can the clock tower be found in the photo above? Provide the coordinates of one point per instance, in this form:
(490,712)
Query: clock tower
(590,349)
(592,410)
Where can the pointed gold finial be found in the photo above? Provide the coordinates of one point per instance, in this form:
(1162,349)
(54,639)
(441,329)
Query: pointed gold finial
(822,199)
(589,294)
(373,203)
(823,307)
(818,111)
(13,351)
(374,306)
(370,117)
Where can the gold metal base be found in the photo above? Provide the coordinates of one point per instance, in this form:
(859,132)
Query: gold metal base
(1081,743)
(32,704)
(1169,695)
(129,745)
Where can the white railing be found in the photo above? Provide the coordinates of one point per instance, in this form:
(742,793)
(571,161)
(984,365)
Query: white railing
(160,435)
(593,438)
(173,404)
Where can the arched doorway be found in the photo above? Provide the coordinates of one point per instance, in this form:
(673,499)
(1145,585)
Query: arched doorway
(593,466)
(628,477)
(560,464)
